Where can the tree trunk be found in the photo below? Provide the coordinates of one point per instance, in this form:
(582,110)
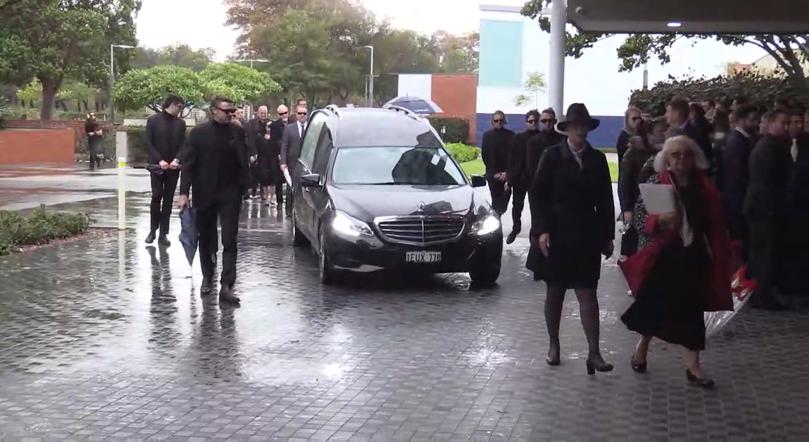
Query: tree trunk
(50,87)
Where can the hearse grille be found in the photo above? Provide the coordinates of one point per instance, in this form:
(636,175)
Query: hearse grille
(420,230)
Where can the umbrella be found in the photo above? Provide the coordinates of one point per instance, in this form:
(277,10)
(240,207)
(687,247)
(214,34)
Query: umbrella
(418,105)
(189,236)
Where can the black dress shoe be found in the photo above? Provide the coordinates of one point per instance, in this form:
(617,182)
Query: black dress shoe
(553,358)
(594,365)
(226,296)
(700,382)
(163,241)
(150,238)
(512,236)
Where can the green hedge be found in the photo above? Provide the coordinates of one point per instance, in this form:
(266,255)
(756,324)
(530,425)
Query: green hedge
(760,91)
(39,227)
(463,152)
(451,130)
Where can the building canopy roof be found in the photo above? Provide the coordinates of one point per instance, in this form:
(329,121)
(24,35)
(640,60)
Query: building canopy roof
(693,16)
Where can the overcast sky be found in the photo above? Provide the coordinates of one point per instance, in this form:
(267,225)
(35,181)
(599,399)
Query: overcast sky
(201,23)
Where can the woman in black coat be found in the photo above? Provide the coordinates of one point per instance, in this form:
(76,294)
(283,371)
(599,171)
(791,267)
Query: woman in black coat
(573,216)
(268,146)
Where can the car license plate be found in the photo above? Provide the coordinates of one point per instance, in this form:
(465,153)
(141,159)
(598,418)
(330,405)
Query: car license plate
(423,257)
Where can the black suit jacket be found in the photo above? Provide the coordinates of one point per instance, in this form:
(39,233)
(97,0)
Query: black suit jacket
(702,137)
(165,135)
(769,166)
(735,172)
(519,176)
(537,146)
(291,144)
(201,158)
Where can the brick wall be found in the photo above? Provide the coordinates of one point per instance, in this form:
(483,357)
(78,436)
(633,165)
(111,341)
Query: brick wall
(76,125)
(457,96)
(37,146)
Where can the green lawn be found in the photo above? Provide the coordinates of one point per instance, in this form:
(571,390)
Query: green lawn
(476,168)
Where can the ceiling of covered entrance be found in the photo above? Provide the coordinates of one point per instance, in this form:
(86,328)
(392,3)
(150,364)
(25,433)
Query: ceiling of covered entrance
(693,16)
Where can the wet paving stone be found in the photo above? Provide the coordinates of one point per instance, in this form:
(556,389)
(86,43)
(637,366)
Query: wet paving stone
(109,339)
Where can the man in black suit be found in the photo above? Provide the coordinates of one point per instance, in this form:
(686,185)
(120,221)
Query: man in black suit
(677,113)
(765,205)
(494,151)
(291,149)
(277,129)
(214,165)
(735,174)
(518,175)
(165,135)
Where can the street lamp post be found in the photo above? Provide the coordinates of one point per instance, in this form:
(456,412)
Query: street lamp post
(112,76)
(370,101)
(251,60)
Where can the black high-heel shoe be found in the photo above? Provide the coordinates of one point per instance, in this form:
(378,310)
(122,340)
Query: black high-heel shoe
(706,383)
(638,367)
(593,367)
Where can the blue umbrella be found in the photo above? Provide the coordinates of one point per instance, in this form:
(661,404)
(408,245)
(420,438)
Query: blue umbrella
(418,105)
(189,235)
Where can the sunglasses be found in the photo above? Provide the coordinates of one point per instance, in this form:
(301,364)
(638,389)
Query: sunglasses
(227,111)
(497,120)
(302,113)
(679,155)
(547,120)
(283,113)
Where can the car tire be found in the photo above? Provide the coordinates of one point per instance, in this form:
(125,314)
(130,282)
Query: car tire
(485,275)
(298,238)
(328,275)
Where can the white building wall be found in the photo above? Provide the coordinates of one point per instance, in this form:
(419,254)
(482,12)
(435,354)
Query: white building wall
(416,85)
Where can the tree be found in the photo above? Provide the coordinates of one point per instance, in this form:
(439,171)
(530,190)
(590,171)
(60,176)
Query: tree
(237,82)
(788,50)
(534,85)
(179,55)
(456,54)
(51,40)
(141,88)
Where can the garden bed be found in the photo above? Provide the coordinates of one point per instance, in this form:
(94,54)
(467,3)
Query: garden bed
(22,232)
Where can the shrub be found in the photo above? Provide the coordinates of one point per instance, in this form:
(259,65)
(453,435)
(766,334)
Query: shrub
(451,130)
(39,227)
(463,152)
(759,90)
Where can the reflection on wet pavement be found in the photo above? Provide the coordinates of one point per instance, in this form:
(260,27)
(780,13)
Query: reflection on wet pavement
(111,338)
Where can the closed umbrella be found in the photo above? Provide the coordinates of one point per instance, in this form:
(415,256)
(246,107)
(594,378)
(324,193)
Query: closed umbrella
(421,106)
(189,235)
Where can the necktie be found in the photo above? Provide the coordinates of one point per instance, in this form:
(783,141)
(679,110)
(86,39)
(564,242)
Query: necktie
(794,149)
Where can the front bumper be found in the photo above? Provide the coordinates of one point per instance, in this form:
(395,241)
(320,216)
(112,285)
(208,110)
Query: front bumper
(372,254)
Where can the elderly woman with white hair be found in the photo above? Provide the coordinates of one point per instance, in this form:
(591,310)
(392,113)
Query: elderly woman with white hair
(683,266)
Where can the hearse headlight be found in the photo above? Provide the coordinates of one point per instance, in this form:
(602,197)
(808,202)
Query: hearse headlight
(486,225)
(346,225)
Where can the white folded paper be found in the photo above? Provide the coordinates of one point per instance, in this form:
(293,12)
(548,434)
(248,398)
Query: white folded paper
(658,198)
(287,177)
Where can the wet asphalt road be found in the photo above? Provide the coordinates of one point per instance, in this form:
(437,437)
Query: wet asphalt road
(104,337)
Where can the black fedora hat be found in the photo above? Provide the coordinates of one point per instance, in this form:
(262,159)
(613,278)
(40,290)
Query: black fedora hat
(577,113)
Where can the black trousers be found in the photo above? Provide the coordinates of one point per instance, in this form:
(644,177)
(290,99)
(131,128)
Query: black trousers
(499,195)
(95,151)
(761,257)
(163,187)
(224,207)
(279,194)
(517,205)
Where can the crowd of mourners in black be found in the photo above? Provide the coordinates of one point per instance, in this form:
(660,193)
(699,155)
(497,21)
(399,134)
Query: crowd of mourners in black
(740,177)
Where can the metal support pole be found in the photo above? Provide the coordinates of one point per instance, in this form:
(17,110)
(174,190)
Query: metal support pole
(121,154)
(112,83)
(557,59)
(371,80)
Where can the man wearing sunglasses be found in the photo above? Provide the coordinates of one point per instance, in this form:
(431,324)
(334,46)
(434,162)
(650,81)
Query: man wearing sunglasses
(494,151)
(519,177)
(215,165)
(277,129)
(291,149)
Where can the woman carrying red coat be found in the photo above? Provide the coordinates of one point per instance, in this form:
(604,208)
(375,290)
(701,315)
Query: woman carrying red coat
(683,266)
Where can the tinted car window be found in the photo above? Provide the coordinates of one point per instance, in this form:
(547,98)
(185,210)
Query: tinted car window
(323,151)
(311,138)
(395,165)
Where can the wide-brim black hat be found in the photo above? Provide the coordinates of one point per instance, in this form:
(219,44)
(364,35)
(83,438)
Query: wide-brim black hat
(577,113)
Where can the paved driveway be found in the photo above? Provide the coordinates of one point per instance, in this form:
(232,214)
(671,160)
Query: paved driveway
(105,338)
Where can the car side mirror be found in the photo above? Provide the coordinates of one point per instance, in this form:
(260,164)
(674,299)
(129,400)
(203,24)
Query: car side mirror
(311,180)
(478,181)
